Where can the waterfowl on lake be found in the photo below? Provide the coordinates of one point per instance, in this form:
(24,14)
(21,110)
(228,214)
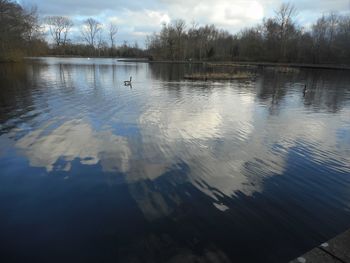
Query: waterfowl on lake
(305,90)
(128,82)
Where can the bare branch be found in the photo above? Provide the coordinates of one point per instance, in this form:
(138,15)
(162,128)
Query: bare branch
(112,33)
(59,27)
(89,31)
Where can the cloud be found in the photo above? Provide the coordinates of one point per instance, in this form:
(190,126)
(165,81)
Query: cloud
(87,7)
(136,19)
(139,23)
(322,6)
(230,15)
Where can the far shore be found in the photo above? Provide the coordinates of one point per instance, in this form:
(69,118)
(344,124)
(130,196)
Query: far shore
(247,64)
(243,63)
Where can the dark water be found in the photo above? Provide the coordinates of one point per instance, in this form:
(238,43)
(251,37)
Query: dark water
(169,170)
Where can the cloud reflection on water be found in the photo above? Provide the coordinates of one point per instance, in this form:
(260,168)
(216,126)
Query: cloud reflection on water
(75,139)
(230,141)
(172,169)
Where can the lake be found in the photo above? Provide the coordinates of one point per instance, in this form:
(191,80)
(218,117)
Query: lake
(169,170)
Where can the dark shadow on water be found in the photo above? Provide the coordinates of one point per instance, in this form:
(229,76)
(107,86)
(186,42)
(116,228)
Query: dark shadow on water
(92,216)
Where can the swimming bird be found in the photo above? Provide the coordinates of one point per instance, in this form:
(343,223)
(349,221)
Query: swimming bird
(305,90)
(128,82)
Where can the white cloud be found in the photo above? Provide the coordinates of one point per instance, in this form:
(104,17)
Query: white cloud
(231,15)
(139,18)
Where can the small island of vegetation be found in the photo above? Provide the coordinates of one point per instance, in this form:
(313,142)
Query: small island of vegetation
(219,76)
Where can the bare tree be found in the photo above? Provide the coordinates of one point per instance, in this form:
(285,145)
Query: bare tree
(179,26)
(112,33)
(34,30)
(332,21)
(319,31)
(90,31)
(284,18)
(59,27)
(100,42)
(285,13)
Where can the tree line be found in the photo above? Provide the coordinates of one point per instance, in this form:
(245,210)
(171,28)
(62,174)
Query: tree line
(95,39)
(276,39)
(23,33)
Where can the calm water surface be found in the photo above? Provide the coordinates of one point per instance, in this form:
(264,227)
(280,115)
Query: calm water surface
(169,170)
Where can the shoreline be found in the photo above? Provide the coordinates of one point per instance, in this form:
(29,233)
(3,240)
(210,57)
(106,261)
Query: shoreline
(279,64)
(218,63)
(243,63)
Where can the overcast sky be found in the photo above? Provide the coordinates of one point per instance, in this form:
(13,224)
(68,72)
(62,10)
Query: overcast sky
(138,18)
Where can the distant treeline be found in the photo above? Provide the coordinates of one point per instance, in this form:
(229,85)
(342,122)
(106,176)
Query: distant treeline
(23,33)
(276,39)
(82,50)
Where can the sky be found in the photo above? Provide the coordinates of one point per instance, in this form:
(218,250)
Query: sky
(138,18)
